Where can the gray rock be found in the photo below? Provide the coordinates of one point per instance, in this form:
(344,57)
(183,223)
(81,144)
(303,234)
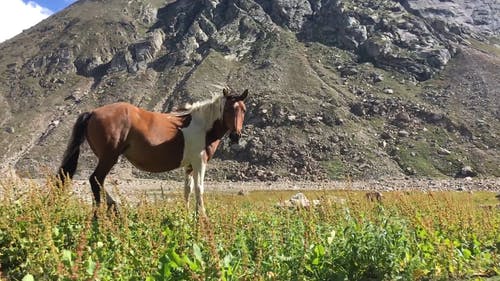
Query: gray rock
(443,151)
(86,66)
(354,34)
(144,52)
(403,133)
(402,117)
(389,91)
(298,200)
(240,146)
(358,109)
(376,48)
(466,171)
(120,62)
(138,55)
(290,13)
(480,16)
(437,58)
(377,77)
(348,71)
(385,136)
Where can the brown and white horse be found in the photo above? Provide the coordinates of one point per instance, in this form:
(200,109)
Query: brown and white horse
(156,142)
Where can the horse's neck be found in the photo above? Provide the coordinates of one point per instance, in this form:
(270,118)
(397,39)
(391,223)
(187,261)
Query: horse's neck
(214,137)
(216,133)
(207,114)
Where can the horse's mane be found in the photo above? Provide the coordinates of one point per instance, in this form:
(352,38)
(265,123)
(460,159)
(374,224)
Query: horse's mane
(206,112)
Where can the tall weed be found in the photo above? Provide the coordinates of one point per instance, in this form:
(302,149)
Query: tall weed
(47,233)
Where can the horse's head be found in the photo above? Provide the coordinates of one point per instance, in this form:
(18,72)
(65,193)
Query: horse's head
(234,113)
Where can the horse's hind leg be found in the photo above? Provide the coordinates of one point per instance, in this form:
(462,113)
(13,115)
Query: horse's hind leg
(188,184)
(97,180)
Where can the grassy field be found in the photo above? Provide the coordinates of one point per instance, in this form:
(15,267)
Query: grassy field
(49,234)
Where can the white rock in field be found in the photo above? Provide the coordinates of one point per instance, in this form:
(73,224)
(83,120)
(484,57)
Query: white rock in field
(299,200)
(443,151)
(389,91)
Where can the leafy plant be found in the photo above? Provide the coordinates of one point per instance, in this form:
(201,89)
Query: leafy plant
(50,234)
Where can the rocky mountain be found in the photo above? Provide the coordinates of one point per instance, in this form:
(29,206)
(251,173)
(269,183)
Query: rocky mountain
(339,88)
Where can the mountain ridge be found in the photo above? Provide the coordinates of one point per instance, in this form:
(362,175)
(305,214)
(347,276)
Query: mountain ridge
(338,88)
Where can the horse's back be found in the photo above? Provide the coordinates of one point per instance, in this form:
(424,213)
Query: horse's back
(122,115)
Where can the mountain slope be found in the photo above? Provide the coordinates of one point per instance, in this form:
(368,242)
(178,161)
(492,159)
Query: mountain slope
(338,88)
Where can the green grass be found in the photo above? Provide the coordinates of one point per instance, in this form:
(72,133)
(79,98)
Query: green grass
(423,159)
(489,47)
(335,168)
(48,234)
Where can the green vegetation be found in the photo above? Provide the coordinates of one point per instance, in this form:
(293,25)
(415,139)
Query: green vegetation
(421,160)
(335,168)
(422,157)
(48,234)
(490,48)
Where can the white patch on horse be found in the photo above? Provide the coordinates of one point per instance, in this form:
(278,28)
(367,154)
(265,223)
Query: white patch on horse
(203,114)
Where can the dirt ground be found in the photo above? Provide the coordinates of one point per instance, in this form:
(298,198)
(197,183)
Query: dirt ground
(135,189)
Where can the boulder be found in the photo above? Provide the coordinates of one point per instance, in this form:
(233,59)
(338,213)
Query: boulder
(402,118)
(385,135)
(403,133)
(298,200)
(358,109)
(348,71)
(443,151)
(466,171)
(86,66)
(436,58)
(138,55)
(377,77)
(290,13)
(388,91)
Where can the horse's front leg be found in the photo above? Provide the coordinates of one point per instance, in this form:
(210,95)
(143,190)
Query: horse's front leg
(199,176)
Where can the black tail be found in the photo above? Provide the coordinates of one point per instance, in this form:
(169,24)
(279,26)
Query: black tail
(70,160)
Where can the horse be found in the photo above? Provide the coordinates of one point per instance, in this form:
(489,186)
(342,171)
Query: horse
(156,142)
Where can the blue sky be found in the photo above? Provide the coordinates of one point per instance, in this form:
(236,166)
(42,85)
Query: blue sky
(17,15)
(53,5)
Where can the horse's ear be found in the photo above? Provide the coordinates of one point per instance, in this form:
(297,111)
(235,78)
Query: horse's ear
(225,91)
(244,95)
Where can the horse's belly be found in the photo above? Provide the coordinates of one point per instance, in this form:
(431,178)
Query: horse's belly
(156,159)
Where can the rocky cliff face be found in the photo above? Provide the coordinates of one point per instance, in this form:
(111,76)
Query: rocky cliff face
(338,88)
(481,16)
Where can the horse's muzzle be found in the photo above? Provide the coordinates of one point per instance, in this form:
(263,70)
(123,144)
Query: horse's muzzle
(234,137)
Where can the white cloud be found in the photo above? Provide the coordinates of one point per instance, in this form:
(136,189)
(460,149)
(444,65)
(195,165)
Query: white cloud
(16,15)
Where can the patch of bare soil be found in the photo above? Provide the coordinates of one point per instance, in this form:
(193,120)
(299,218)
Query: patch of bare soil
(133,190)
